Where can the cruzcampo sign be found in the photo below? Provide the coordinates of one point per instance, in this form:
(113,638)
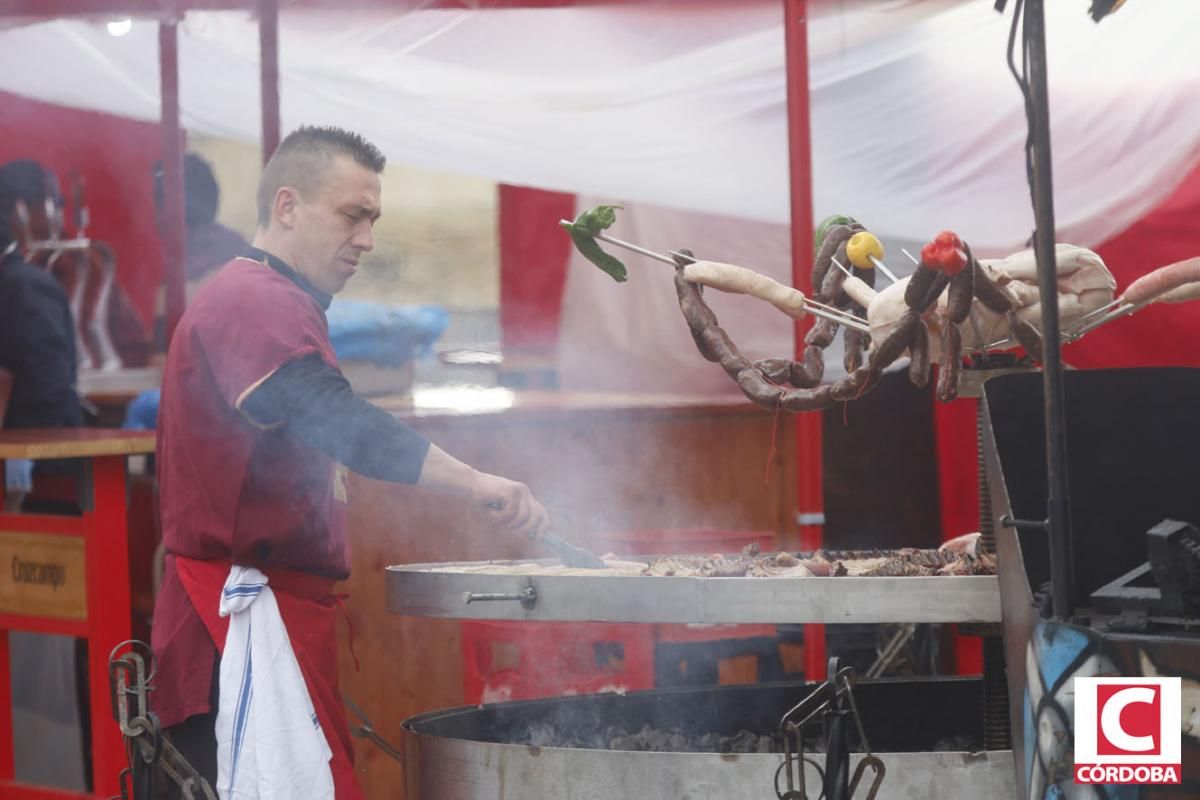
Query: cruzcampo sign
(42,576)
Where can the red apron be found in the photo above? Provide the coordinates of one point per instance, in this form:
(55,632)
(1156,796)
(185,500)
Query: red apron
(309,611)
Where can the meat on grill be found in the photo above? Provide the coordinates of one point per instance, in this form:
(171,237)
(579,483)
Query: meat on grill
(865,563)
(751,564)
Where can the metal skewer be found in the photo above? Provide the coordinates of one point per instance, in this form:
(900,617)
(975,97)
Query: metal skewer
(1080,330)
(1099,311)
(811,306)
(835,315)
(879,265)
(1107,312)
(604,237)
(851,320)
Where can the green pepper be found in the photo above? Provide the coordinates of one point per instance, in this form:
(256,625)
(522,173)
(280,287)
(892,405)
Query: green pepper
(583,232)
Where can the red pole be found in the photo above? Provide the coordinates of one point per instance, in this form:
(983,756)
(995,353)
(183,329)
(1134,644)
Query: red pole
(174,233)
(809,498)
(108,601)
(7,756)
(268,43)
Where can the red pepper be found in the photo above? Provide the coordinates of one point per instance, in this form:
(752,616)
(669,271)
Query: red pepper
(945,254)
(929,255)
(948,239)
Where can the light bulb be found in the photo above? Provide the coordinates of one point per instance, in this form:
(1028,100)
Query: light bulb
(119,27)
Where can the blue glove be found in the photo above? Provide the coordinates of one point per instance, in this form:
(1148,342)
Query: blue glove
(18,475)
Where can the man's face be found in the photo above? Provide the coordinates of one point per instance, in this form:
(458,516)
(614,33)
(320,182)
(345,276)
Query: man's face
(334,226)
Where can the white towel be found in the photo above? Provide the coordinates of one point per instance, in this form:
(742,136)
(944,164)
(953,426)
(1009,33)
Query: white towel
(270,745)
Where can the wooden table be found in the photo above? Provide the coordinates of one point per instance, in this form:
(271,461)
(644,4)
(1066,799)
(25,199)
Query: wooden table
(69,575)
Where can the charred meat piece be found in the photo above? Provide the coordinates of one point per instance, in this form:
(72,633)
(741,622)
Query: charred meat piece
(822,564)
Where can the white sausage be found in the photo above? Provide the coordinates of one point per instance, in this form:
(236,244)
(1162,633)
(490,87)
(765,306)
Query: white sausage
(858,290)
(739,280)
(1155,285)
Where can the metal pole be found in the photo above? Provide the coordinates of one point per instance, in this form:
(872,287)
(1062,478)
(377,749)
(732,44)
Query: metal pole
(174,231)
(268,42)
(1058,515)
(810,499)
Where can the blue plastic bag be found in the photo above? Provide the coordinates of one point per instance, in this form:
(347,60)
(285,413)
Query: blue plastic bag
(385,335)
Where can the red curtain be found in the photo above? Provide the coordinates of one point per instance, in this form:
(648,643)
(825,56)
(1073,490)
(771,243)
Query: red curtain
(115,156)
(533,269)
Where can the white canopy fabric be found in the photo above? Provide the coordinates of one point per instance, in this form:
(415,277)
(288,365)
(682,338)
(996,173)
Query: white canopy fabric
(678,109)
(917,124)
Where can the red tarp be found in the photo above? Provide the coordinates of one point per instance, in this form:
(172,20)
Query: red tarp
(115,156)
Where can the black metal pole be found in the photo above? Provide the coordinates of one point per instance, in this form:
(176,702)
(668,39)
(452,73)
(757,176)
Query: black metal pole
(1058,514)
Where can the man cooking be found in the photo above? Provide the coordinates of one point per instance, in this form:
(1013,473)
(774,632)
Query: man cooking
(257,428)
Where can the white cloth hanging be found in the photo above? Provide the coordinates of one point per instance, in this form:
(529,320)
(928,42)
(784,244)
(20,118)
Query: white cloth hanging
(270,745)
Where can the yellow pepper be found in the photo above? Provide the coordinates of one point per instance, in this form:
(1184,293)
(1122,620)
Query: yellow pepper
(862,247)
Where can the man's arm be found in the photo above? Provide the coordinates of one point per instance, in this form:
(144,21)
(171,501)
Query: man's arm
(316,404)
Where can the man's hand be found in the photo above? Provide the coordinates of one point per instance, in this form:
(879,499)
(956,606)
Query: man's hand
(507,504)
(510,505)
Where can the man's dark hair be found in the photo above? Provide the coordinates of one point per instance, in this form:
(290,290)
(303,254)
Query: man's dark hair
(303,156)
(201,195)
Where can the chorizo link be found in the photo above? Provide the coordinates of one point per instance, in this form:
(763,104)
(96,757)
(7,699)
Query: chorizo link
(830,287)
(853,343)
(696,312)
(940,281)
(835,237)
(918,287)
(776,370)
(759,389)
(895,342)
(799,374)
(821,333)
(808,399)
(947,385)
(810,369)
(961,293)
(918,366)
(728,356)
(990,295)
(1029,336)
(850,385)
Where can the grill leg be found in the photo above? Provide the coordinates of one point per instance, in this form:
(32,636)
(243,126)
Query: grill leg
(997,734)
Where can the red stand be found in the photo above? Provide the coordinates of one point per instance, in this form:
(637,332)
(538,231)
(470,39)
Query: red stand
(85,561)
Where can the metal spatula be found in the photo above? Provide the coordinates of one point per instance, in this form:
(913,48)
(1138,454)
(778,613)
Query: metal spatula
(571,555)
